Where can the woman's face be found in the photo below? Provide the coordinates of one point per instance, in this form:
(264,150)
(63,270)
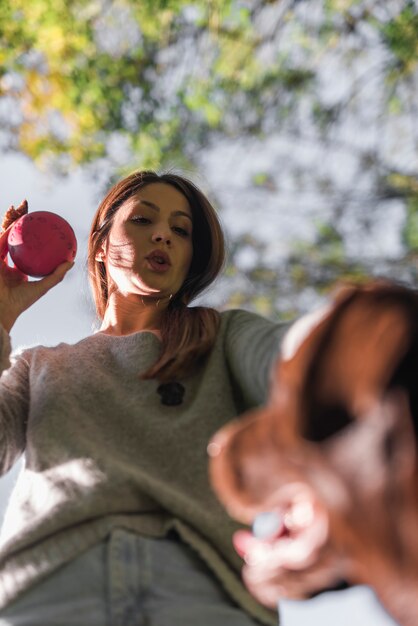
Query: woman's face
(149,248)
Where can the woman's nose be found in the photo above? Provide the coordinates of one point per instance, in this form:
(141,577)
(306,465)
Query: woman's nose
(160,237)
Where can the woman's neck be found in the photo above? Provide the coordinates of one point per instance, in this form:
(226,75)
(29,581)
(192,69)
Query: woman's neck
(130,314)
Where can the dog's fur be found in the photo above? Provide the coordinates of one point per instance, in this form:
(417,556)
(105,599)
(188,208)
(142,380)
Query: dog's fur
(337,441)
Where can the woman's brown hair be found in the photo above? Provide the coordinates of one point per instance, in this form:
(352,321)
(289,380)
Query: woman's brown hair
(187,333)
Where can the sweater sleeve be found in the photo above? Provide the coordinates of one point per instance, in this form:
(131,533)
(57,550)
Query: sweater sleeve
(14,403)
(252,345)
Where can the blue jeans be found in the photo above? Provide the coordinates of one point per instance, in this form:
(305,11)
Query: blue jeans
(128,580)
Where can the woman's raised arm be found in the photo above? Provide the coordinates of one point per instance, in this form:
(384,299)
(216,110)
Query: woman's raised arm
(16,293)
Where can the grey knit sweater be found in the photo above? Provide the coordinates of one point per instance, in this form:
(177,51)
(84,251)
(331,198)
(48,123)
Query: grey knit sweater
(102,451)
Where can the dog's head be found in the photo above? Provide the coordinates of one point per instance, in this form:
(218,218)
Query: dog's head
(333,450)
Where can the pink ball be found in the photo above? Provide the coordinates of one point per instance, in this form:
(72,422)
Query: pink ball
(40,241)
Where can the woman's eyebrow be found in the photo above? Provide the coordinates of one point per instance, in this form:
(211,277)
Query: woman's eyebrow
(157,208)
(150,204)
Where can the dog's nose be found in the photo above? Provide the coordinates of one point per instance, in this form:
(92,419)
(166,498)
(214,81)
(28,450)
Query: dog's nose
(221,440)
(214,448)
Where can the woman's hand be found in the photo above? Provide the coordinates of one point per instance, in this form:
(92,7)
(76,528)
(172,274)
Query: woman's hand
(268,580)
(16,293)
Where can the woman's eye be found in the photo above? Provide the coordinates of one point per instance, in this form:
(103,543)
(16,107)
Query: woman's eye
(181,231)
(141,220)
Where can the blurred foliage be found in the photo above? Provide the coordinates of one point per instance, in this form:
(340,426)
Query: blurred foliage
(152,83)
(78,71)
(401,37)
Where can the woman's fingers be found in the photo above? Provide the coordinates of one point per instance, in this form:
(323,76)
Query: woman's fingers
(9,219)
(3,243)
(268,585)
(268,580)
(17,293)
(250,548)
(41,287)
(11,276)
(267,572)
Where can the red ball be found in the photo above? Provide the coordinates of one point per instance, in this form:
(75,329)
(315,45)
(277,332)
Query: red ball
(40,241)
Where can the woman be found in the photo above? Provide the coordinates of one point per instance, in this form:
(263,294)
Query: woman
(112,520)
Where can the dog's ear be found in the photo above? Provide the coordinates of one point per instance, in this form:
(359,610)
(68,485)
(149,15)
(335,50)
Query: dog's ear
(378,451)
(399,441)
(355,487)
(371,466)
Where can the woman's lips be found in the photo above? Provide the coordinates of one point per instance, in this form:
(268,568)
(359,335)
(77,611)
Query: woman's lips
(157,266)
(158,261)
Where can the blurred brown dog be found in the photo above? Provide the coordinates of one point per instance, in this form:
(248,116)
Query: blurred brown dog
(333,454)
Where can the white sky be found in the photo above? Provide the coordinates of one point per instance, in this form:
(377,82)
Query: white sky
(64,314)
